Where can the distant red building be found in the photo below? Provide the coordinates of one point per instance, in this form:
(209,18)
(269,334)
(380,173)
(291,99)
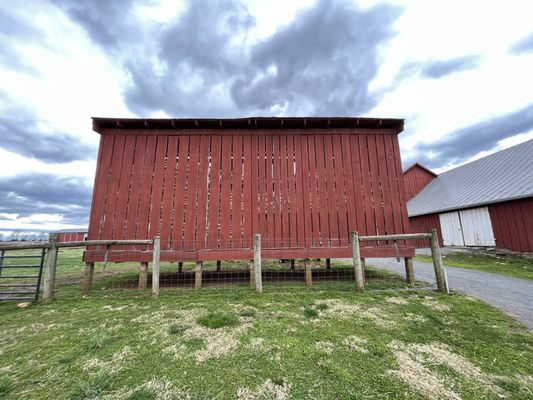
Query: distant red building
(71,235)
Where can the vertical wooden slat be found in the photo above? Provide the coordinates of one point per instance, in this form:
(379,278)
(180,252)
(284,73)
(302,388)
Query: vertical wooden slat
(225,218)
(124,188)
(331,191)
(284,192)
(359,197)
(399,181)
(214,192)
(314,188)
(340,170)
(169,180)
(157,187)
(377,195)
(349,183)
(202,206)
(387,207)
(262,192)
(369,214)
(248,203)
(276,190)
(178,233)
(236,192)
(191,200)
(145,190)
(292,229)
(112,187)
(393,175)
(132,210)
(302,192)
(322,190)
(268,241)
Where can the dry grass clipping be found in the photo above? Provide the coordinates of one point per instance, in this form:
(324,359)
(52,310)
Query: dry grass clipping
(355,343)
(160,389)
(267,390)
(414,362)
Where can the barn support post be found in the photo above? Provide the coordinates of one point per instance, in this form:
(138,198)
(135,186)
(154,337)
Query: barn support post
(198,275)
(328,263)
(409,271)
(88,277)
(308,273)
(363,267)
(51,265)
(219,265)
(257,263)
(437,262)
(180,266)
(356,254)
(155,267)
(293,263)
(143,275)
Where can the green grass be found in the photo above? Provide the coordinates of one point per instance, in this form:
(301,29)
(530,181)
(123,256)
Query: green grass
(517,267)
(229,342)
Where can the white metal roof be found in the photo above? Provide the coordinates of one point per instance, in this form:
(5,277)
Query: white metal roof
(502,176)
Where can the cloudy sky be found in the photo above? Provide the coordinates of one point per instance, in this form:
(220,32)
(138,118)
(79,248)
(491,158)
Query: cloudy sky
(459,72)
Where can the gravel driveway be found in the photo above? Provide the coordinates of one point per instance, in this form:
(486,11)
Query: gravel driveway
(511,295)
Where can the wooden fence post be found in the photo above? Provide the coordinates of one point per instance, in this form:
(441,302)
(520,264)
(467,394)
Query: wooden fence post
(51,265)
(252,274)
(328,263)
(308,273)
(409,271)
(143,275)
(219,265)
(88,277)
(257,263)
(437,262)
(198,275)
(155,267)
(356,254)
(180,266)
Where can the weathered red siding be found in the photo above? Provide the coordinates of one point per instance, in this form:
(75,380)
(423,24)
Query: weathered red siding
(416,178)
(206,192)
(72,236)
(425,223)
(512,223)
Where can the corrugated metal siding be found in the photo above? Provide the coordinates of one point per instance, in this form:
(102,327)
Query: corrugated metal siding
(512,222)
(207,193)
(416,179)
(502,176)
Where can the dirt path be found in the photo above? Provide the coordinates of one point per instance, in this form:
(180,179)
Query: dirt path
(511,295)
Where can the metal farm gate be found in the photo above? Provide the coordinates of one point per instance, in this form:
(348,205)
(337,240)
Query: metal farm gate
(206,186)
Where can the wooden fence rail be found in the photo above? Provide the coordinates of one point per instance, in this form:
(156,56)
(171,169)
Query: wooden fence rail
(53,245)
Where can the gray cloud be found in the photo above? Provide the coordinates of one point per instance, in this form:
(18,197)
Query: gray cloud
(319,64)
(106,22)
(466,142)
(524,45)
(34,193)
(440,68)
(21,134)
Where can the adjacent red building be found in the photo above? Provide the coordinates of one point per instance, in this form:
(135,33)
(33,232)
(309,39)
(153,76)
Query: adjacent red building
(206,186)
(487,202)
(71,235)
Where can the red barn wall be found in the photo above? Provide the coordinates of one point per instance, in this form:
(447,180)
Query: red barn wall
(425,223)
(205,193)
(416,178)
(512,223)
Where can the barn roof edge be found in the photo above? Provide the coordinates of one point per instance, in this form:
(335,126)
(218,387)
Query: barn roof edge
(100,123)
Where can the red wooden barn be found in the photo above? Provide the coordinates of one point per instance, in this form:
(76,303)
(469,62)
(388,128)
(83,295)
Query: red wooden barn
(486,203)
(206,186)
(71,235)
